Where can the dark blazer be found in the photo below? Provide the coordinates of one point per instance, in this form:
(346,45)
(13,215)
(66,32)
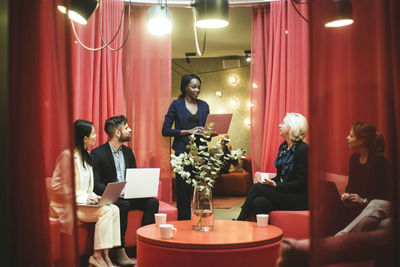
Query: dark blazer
(104,171)
(177,113)
(297,180)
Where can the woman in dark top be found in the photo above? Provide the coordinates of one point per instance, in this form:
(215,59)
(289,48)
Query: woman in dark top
(368,170)
(189,115)
(288,190)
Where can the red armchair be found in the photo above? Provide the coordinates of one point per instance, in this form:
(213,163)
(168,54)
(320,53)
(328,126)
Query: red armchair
(86,230)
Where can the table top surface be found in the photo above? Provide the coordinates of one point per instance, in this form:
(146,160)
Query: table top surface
(225,235)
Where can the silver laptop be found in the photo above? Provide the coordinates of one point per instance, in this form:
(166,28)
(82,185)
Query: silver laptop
(141,182)
(110,195)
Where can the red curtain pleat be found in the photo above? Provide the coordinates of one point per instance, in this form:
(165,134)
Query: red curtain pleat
(98,90)
(147,86)
(354,77)
(39,127)
(279,77)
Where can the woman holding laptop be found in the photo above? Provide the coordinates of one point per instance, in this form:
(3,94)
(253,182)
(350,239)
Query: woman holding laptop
(107,228)
(189,115)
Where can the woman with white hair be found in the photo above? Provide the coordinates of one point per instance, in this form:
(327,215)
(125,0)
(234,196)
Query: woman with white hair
(288,189)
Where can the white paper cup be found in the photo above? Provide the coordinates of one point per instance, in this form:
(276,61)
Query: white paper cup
(160,218)
(262,220)
(167,231)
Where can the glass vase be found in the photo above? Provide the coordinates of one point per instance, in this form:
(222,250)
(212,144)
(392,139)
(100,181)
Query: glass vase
(202,209)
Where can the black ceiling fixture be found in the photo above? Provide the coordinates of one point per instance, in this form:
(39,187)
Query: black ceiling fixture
(190,54)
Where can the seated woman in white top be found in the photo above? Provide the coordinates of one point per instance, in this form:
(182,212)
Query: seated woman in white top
(107,228)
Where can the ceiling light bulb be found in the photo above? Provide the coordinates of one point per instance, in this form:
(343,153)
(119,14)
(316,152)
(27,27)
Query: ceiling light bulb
(76,17)
(339,23)
(233,102)
(220,111)
(218,93)
(255,85)
(159,20)
(247,121)
(62,9)
(212,23)
(232,79)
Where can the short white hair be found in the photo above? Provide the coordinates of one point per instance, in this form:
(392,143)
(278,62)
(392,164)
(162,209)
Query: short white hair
(298,126)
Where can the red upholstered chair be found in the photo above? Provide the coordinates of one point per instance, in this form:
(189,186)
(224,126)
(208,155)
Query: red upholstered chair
(236,183)
(294,223)
(86,230)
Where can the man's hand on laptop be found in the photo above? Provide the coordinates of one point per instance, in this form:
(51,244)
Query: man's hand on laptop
(93,198)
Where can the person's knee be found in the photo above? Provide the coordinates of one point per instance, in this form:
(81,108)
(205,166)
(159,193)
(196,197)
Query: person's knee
(123,206)
(260,205)
(115,210)
(379,204)
(106,211)
(152,204)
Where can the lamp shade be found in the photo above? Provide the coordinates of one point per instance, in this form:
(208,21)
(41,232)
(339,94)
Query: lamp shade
(211,13)
(159,20)
(340,13)
(81,10)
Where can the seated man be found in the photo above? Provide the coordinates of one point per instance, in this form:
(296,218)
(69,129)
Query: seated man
(110,163)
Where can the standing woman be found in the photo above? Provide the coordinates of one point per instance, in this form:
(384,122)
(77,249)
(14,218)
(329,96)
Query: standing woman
(189,115)
(288,189)
(107,228)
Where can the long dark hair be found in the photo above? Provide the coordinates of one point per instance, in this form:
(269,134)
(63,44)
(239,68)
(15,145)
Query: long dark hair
(83,128)
(372,139)
(185,81)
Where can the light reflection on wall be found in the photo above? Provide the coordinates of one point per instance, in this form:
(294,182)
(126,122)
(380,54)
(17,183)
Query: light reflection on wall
(222,94)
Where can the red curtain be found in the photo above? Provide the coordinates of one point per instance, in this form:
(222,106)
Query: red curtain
(98,90)
(279,76)
(134,81)
(355,76)
(39,126)
(147,85)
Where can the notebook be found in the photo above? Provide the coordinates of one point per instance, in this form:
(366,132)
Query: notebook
(110,195)
(221,122)
(141,182)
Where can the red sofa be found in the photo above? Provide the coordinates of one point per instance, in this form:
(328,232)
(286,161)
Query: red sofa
(236,183)
(86,230)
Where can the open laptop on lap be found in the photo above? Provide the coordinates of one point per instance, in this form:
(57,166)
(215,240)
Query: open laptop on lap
(141,182)
(110,195)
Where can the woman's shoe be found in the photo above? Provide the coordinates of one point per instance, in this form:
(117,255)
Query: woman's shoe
(93,262)
(108,261)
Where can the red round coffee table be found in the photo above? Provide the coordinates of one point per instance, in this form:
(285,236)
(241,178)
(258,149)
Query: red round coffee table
(230,243)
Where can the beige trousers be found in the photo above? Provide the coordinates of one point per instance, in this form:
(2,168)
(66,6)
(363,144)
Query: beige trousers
(107,229)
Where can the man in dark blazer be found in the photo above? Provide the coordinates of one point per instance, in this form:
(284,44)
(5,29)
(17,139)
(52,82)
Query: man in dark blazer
(110,163)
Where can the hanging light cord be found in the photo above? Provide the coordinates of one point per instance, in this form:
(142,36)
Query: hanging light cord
(195,35)
(119,27)
(115,35)
(298,12)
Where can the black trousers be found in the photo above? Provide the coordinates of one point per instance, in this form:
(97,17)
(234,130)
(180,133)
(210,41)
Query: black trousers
(264,199)
(183,198)
(149,206)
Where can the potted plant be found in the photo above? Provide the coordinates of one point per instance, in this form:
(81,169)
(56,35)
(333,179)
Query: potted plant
(200,168)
